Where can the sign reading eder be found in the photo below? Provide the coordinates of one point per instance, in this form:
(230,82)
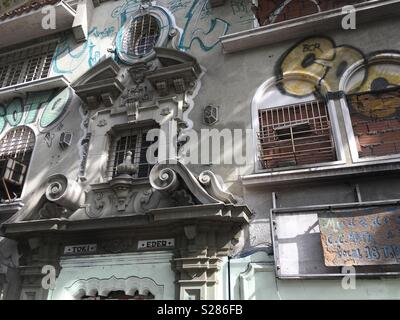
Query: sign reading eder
(368,236)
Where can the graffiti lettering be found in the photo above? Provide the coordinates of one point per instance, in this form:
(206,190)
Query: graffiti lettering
(18,112)
(85,56)
(208,38)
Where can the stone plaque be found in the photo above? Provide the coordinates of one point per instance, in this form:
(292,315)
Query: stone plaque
(80,249)
(360,237)
(158,243)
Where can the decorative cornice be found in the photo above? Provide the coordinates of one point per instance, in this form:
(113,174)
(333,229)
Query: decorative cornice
(100,85)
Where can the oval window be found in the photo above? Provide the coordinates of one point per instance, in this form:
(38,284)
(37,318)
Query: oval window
(142,35)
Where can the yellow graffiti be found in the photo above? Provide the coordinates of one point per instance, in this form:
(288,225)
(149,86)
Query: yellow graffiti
(315,64)
(379,77)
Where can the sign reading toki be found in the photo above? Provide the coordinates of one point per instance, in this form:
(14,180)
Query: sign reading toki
(80,249)
(369,236)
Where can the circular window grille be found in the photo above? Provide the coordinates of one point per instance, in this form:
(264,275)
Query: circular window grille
(142,35)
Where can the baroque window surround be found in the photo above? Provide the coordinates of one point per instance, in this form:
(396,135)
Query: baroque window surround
(124,130)
(165,28)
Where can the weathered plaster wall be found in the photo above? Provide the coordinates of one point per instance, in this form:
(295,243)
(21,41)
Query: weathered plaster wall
(230,82)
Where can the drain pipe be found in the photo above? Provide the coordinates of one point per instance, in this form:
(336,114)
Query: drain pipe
(229,277)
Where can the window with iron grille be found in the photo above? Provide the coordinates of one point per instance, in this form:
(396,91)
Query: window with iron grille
(143,34)
(295,135)
(16,149)
(28,64)
(135,141)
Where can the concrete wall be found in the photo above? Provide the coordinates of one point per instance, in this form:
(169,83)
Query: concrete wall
(230,81)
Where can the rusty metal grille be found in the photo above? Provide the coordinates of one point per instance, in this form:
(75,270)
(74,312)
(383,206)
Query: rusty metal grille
(26,64)
(143,34)
(295,135)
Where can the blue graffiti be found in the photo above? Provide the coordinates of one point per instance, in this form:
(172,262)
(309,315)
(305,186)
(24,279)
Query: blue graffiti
(121,12)
(207,39)
(177,5)
(87,53)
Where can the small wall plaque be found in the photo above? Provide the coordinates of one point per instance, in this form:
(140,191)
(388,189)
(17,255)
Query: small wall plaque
(158,243)
(80,249)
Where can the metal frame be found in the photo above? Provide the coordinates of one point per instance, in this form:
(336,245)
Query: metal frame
(264,87)
(393,58)
(295,210)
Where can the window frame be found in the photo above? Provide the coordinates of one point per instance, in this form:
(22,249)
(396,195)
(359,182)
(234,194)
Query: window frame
(271,84)
(26,62)
(29,164)
(393,58)
(124,130)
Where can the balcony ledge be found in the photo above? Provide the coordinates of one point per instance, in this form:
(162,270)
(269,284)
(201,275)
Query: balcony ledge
(321,173)
(8,93)
(307,26)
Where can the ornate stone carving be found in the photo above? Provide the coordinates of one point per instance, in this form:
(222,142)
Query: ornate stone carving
(104,286)
(122,183)
(100,85)
(84,153)
(172,177)
(65,192)
(139,93)
(51,210)
(210,115)
(208,179)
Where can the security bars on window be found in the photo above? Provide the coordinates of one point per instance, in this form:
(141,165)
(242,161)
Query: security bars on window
(295,135)
(143,35)
(16,149)
(26,64)
(134,141)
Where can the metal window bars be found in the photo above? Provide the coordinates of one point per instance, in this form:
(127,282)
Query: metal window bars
(134,141)
(16,149)
(295,135)
(142,36)
(28,64)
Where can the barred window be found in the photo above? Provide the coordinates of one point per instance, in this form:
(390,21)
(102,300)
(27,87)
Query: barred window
(16,149)
(135,141)
(295,135)
(26,64)
(143,34)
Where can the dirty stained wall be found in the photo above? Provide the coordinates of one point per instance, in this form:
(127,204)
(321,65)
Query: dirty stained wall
(230,82)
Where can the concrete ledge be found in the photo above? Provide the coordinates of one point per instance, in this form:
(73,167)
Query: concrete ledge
(14,30)
(307,26)
(321,173)
(33,86)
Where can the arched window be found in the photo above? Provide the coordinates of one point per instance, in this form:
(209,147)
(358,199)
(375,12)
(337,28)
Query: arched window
(372,107)
(16,149)
(293,131)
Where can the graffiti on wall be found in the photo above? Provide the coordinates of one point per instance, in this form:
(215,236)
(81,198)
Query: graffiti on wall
(85,55)
(273,11)
(20,112)
(319,61)
(207,37)
(317,65)
(123,11)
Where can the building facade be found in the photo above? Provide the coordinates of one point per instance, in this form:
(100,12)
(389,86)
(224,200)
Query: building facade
(200,149)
